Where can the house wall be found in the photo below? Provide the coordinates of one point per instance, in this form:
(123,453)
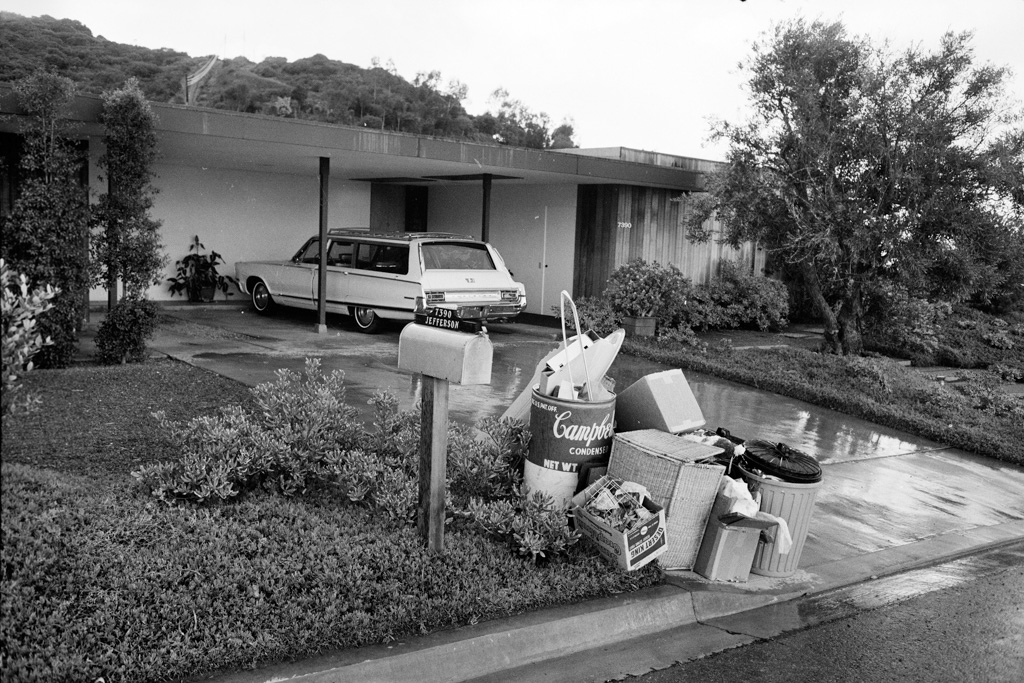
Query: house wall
(242,215)
(521,217)
(619,223)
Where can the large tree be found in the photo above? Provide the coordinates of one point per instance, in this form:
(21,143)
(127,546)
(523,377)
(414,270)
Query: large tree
(858,166)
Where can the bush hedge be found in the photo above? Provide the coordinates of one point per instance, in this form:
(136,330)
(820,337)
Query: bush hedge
(731,300)
(123,333)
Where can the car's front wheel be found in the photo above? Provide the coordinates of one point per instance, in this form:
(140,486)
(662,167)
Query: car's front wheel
(261,299)
(366,319)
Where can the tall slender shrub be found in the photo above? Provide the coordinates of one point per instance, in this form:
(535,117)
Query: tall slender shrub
(125,238)
(44,238)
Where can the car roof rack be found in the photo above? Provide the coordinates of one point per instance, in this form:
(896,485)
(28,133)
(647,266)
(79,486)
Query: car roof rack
(403,236)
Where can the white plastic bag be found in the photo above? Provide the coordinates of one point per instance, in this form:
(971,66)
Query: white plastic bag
(734,499)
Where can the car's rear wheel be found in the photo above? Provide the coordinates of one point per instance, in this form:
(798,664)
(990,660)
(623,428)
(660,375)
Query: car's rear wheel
(261,299)
(366,319)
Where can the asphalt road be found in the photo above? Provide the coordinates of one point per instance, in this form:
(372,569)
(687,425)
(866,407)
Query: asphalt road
(972,629)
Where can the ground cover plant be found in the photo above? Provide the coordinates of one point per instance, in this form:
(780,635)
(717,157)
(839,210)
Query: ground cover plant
(974,415)
(101,579)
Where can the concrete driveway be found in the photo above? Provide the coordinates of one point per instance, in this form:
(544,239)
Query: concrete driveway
(233,341)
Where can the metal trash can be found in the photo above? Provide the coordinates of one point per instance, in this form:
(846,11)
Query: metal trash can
(568,437)
(792,499)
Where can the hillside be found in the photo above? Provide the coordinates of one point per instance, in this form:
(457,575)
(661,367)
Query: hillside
(315,88)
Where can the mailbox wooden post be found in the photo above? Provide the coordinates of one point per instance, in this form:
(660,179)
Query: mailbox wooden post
(441,354)
(433,461)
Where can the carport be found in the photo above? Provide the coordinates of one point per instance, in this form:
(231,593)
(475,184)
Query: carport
(255,187)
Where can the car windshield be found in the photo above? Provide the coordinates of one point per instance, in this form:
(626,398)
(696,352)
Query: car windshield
(456,256)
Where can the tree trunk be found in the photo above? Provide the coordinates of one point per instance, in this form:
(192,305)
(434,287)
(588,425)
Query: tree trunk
(828,317)
(849,324)
(111,290)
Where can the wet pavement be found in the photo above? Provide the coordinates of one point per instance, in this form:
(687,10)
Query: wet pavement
(889,501)
(234,342)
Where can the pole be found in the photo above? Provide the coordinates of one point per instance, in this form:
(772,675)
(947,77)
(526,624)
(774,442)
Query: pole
(433,462)
(485,226)
(321,296)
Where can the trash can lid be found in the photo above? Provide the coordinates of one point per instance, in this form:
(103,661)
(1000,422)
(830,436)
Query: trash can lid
(779,460)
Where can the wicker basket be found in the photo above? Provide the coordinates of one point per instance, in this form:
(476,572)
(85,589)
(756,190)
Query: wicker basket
(664,463)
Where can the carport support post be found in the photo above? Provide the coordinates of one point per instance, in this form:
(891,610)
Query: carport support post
(433,462)
(485,222)
(321,291)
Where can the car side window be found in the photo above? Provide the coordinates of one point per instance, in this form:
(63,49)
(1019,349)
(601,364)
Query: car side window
(340,254)
(383,258)
(310,253)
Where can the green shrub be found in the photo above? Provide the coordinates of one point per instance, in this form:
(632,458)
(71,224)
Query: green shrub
(301,437)
(972,339)
(998,340)
(300,434)
(123,333)
(595,314)
(735,299)
(763,301)
(529,523)
(901,325)
(639,289)
(21,337)
(681,336)
(1008,373)
(642,289)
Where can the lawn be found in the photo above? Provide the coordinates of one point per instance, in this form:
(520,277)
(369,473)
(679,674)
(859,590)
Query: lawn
(102,581)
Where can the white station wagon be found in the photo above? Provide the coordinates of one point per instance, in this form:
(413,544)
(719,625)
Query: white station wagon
(394,276)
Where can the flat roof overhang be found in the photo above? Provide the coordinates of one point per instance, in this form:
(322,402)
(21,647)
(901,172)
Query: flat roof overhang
(198,137)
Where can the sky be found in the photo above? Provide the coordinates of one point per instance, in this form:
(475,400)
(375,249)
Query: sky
(646,74)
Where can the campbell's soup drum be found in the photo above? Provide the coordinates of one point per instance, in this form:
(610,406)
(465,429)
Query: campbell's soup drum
(567,439)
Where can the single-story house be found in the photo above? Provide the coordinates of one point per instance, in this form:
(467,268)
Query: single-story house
(250,185)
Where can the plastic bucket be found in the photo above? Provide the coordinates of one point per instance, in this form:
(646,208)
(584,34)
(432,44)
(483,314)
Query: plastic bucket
(567,438)
(795,504)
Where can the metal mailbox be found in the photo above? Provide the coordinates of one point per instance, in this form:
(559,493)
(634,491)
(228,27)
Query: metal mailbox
(454,356)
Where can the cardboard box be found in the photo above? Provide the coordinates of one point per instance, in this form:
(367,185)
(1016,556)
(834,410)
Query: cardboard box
(629,550)
(665,464)
(662,401)
(727,551)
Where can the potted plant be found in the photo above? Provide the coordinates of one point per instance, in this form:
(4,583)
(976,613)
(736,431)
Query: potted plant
(637,291)
(197,275)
